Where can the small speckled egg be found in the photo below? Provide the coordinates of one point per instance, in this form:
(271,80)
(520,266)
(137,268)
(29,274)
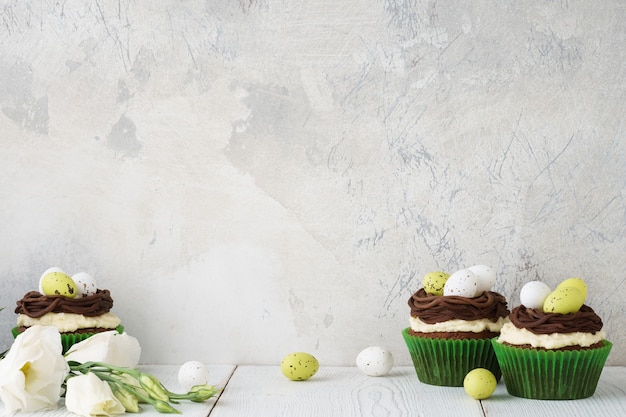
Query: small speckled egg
(564,300)
(46,272)
(85,283)
(462,283)
(576,283)
(434,282)
(58,283)
(486,276)
(192,373)
(479,383)
(533,294)
(299,366)
(375,361)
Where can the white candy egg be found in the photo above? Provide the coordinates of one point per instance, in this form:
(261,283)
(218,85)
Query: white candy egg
(533,294)
(46,272)
(462,283)
(192,373)
(486,277)
(85,283)
(375,361)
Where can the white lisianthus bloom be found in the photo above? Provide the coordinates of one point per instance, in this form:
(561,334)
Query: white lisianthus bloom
(109,347)
(87,395)
(33,371)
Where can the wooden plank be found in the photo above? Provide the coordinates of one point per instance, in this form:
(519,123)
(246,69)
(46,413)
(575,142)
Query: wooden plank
(609,400)
(168,375)
(339,391)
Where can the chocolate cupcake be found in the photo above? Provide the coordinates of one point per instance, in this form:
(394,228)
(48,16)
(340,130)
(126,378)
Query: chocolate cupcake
(449,335)
(553,355)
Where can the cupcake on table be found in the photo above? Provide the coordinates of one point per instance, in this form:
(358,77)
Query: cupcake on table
(554,347)
(453,319)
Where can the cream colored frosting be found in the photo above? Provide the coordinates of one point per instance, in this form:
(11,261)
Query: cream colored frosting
(69,322)
(516,336)
(456,325)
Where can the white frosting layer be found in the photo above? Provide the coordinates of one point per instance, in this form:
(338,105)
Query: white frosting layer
(515,336)
(69,322)
(456,325)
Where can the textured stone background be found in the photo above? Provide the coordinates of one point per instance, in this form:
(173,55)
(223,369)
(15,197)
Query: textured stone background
(251,178)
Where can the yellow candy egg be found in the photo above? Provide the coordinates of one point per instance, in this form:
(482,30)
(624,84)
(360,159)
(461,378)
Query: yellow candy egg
(576,283)
(434,282)
(479,383)
(58,283)
(564,300)
(299,366)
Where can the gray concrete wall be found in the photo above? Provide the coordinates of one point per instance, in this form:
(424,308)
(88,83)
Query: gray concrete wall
(251,178)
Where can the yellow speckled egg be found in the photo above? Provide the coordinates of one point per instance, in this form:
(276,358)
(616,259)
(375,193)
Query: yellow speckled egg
(576,283)
(564,300)
(480,383)
(58,283)
(434,282)
(299,366)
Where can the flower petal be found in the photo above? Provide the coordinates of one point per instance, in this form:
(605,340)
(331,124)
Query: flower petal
(87,395)
(110,347)
(33,370)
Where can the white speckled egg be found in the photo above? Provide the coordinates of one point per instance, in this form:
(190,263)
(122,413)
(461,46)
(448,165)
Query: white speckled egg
(375,361)
(462,283)
(46,272)
(533,294)
(85,283)
(486,277)
(192,373)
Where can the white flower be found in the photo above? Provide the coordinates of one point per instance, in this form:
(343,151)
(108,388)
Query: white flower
(87,395)
(33,370)
(109,347)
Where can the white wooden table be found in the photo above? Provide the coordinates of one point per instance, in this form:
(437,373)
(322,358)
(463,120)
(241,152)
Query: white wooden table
(259,391)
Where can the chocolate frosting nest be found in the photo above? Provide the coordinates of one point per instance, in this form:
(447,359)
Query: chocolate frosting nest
(35,305)
(538,322)
(433,309)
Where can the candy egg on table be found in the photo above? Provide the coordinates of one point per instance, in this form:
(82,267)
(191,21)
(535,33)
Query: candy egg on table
(479,383)
(85,283)
(564,300)
(462,283)
(299,366)
(58,283)
(192,373)
(533,294)
(576,283)
(433,282)
(375,361)
(486,277)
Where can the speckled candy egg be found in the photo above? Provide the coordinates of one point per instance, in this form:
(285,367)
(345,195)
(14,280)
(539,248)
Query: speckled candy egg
(576,283)
(192,373)
(486,276)
(434,282)
(46,272)
(462,283)
(479,383)
(85,283)
(564,300)
(375,361)
(299,366)
(533,294)
(58,283)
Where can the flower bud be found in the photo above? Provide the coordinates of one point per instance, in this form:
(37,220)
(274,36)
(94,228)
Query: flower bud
(202,392)
(153,387)
(128,400)
(164,407)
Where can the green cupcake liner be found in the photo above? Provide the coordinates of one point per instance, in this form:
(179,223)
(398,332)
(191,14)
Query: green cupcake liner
(445,362)
(70,339)
(551,374)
